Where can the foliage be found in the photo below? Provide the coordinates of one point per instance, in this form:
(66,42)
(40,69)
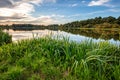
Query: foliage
(106,22)
(49,59)
(5,38)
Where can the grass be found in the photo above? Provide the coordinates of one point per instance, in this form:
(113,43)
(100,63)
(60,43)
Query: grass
(49,59)
(5,38)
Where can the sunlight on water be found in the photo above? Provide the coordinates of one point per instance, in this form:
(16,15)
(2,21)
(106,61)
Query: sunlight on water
(20,35)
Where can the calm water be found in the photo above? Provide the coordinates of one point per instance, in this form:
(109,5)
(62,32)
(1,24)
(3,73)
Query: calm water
(75,35)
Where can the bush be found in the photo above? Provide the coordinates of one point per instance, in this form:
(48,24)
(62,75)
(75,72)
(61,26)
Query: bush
(5,38)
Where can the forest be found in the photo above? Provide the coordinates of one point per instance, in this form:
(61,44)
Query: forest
(97,22)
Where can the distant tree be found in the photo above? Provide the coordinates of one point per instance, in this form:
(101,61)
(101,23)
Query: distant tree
(109,19)
(118,20)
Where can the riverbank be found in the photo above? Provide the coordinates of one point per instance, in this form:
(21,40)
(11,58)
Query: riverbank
(49,59)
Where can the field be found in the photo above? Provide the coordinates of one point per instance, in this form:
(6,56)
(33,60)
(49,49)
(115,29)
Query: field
(54,59)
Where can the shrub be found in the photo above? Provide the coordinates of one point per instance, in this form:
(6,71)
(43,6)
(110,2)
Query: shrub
(5,38)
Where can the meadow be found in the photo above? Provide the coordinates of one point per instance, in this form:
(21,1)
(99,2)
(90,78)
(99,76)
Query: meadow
(53,59)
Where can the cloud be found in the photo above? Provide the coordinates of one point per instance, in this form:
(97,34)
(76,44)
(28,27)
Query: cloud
(20,11)
(74,15)
(6,3)
(80,15)
(21,8)
(103,11)
(58,16)
(42,19)
(96,12)
(73,5)
(98,2)
(114,10)
(83,1)
(50,1)
(46,19)
(15,16)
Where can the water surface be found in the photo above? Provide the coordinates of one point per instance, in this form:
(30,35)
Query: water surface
(74,35)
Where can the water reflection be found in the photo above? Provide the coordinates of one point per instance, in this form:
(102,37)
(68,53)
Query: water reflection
(20,35)
(79,38)
(97,34)
(76,35)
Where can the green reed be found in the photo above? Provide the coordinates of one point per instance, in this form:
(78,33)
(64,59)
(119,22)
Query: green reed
(54,59)
(5,38)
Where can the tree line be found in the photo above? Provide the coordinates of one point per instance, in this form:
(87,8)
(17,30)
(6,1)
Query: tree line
(97,22)
(29,27)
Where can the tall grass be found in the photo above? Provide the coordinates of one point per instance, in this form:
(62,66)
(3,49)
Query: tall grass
(49,59)
(5,38)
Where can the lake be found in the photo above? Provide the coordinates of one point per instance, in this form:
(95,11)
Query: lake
(78,35)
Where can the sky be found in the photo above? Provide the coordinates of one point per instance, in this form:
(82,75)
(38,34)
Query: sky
(45,12)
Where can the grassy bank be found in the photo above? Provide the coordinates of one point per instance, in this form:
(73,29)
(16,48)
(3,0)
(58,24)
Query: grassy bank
(48,59)
(5,38)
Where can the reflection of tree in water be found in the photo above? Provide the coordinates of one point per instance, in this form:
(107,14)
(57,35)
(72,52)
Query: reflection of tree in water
(94,33)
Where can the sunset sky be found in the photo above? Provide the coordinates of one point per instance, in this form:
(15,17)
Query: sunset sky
(55,11)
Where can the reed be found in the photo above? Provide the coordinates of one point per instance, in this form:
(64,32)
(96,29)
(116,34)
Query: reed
(54,59)
(5,38)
